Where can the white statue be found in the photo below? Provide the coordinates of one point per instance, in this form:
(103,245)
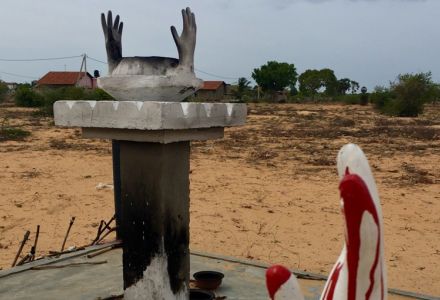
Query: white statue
(360,271)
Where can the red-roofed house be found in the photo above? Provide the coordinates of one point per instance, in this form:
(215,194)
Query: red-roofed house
(65,79)
(212,90)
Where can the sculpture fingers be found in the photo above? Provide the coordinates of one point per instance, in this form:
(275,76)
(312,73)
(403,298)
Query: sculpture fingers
(120,28)
(189,22)
(104,24)
(185,18)
(109,20)
(175,36)
(116,24)
(193,21)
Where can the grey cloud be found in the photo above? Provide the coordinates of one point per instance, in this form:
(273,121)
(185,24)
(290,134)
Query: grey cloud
(282,4)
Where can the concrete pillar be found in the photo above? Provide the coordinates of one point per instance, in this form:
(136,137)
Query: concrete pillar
(155,219)
(151,173)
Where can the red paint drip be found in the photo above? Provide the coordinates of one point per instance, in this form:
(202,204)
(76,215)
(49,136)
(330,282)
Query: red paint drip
(276,276)
(357,200)
(381,282)
(333,280)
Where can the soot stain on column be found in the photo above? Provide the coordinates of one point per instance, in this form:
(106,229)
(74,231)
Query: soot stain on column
(142,240)
(176,247)
(155,212)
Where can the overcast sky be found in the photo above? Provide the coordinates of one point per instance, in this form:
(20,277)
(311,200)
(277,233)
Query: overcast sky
(370,41)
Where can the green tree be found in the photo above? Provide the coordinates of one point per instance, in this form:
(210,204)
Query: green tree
(329,81)
(354,85)
(275,76)
(344,85)
(242,88)
(310,82)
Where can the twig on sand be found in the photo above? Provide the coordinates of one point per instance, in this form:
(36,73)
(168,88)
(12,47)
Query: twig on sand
(24,260)
(25,238)
(34,247)
(106,234)
(31,255)
(102,229)
(99,232)
(67,233)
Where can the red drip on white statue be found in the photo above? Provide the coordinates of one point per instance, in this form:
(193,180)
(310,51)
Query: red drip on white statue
(282,284)
(359,272)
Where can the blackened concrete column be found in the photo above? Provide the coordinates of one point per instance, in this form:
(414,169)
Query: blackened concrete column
(155,218)
(152,192)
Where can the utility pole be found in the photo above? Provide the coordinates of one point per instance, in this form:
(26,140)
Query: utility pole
(83,64)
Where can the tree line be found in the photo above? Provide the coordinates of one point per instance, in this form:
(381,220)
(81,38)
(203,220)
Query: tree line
(277,77)
(405,96)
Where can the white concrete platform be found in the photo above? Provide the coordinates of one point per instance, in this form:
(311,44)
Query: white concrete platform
(148,115)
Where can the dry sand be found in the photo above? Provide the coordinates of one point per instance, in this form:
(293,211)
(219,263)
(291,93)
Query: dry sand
(268,191)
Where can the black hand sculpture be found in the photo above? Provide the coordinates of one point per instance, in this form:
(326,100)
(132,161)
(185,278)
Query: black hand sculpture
(119,65)
(113,36)
(186,43)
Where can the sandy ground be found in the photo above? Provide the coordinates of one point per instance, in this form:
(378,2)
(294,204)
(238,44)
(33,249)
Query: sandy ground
(268,191)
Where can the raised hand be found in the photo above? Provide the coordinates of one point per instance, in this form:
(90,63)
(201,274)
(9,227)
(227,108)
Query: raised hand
(113,34)
(186,42)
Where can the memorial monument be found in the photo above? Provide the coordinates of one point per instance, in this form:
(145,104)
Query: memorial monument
(151,132)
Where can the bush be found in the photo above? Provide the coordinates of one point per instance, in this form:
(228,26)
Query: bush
(70,93)
(8,132)
(406,96)
(436,98)
(3,91)
(412,92)
(348,99)
(25,96)
(382,99)
(99,94)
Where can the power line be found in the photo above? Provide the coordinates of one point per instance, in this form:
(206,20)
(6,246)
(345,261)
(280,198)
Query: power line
(18,75)
(214,75)
(40,59)
(97,60)
(91,58)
